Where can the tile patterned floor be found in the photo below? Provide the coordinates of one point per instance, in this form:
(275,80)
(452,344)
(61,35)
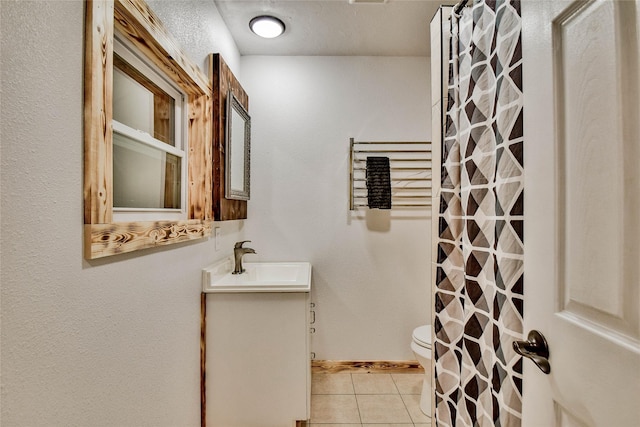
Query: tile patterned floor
(367,400)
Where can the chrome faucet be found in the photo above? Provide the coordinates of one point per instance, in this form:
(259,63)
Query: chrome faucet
(238,252)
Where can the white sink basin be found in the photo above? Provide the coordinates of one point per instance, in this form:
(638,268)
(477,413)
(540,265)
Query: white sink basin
(258,277)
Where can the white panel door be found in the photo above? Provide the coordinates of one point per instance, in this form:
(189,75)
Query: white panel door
(581,83)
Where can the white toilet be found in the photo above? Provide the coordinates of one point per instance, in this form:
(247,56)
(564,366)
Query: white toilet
(421,346)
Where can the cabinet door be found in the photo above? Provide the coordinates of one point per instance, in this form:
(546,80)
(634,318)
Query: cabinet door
(258,364)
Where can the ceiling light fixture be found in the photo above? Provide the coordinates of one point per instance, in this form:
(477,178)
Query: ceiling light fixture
(267,26)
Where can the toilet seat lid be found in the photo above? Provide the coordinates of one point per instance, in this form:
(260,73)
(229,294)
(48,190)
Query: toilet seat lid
(422,335)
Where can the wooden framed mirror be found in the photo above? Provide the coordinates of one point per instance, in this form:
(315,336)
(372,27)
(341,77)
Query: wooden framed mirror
(224,83)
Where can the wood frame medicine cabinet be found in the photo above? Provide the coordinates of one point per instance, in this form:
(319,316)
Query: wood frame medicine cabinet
(223,82)
(137,25)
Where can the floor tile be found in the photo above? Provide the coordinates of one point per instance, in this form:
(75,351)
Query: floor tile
(408,383)
(331,384)
(374,384)
(383,408)
(412,402)
(334,408)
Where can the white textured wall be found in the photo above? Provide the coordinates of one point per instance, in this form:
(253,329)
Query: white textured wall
(200,30)
(371,273)
(112,342)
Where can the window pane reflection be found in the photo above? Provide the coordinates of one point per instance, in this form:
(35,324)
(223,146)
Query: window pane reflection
(143,176)
(141,104)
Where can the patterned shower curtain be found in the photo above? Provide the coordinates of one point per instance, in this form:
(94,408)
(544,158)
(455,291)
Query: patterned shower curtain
(479,295)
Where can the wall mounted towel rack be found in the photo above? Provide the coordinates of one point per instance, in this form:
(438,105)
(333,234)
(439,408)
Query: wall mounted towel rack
(410,172)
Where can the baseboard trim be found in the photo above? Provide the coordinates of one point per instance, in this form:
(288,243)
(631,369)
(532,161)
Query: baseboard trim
(366,366)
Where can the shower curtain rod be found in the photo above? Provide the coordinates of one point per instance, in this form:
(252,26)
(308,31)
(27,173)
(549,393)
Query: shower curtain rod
(459,7)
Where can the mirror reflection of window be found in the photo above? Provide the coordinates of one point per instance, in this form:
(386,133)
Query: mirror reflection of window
(148,153)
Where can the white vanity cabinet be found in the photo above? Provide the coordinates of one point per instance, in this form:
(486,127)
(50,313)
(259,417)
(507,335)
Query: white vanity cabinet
(258,363)
(258,359)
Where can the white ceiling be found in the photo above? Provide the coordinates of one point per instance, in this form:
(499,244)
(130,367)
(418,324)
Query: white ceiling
(334,27)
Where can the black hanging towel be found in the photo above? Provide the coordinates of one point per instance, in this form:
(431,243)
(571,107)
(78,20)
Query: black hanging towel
(378,183)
